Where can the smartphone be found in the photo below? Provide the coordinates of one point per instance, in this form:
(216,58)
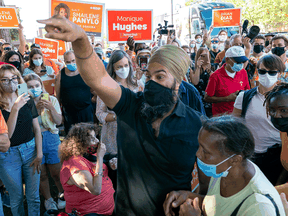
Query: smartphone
(172,32)
(205,58)
(45,96)
(22,89)
(143,63)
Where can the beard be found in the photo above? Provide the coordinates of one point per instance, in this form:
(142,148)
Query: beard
(152,113)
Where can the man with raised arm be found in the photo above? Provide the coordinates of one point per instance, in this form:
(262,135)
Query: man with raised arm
(157,133)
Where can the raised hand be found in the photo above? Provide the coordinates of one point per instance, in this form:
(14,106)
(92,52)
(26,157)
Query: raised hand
(60,28)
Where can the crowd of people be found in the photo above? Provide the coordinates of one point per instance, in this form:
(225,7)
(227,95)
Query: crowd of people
(139,118)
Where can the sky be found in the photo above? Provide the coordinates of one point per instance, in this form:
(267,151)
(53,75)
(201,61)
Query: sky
(32,10)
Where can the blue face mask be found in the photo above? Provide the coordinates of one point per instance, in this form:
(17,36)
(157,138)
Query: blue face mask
(210,170)
(237,67)
(214,46)
(108,55)
(36,92)
(72,67)
(38,62)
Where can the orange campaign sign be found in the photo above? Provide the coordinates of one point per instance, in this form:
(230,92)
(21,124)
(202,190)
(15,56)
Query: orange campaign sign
(226,17)
(195,180)
(49,47)
(125,23)
(88,16)
(8,17)
(62,47)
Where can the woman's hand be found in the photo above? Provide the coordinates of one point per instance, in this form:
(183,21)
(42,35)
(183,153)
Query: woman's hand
(37,163)
(200,62)
(60,28)
(139,73)
(101,150)
(113,163)
(173,200)
(45,104)
(20,102)
(190,208)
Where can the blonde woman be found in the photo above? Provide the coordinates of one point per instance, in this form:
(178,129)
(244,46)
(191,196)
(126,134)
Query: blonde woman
(49,116)
(25,154)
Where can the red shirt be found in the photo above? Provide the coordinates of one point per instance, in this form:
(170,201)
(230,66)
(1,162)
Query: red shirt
(83,201)
(222,85)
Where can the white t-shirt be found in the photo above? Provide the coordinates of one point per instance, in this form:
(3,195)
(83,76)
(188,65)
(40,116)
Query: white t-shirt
(264,133)
(56,105)
(49,69)
(256,205)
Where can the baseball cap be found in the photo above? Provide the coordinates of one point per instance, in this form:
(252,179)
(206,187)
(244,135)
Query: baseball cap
(237,53)
(35,46)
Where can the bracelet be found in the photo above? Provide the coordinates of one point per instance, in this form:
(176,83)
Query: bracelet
(86,57)
(99,174)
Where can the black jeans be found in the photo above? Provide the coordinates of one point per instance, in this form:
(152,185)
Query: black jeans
(270,163)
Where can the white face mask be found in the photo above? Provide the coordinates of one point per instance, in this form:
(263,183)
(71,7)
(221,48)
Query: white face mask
(198,40)
(267,81)
(123,72)
(223,37)
(192,45)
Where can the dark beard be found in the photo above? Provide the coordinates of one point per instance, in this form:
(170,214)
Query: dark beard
(152,113)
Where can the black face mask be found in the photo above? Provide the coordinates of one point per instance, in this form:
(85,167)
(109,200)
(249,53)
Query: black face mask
(266,43)
(15,64)
(258,48)
(278,51)
(159,100)
(280,123)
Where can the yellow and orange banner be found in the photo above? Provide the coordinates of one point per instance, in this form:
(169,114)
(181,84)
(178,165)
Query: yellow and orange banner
(88,16)
(8,17)
(226,17)
(49,47)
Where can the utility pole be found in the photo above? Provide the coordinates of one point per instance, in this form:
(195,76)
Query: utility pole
(4,33)
(172,11)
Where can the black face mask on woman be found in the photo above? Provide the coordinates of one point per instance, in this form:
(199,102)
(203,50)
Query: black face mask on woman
(280,123)
(159,100)
(278,51)
(15,64)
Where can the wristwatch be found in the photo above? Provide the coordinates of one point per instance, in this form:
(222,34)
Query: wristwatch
(114,117)
(99,174)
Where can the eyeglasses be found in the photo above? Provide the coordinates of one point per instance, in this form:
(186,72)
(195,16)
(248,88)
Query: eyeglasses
(7,81)
(271,73)
(7,48)
(214,41)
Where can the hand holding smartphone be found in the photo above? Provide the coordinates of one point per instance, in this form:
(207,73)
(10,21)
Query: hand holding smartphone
(45,96)
(22,89)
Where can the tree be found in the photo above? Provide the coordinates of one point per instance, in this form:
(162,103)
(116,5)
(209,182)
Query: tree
(4,33)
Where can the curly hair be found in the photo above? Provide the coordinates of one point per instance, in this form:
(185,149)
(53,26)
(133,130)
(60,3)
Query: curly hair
(77,141)
(281,88)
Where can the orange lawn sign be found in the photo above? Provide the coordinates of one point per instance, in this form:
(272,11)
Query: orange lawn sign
(8,17)
(49,47)
(88,16)
(226,17)
(125,23)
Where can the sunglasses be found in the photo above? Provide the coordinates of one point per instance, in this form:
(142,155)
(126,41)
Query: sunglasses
(214,41)
(7,48)
(271,73)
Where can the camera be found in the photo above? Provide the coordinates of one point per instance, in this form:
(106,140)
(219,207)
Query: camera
(163,30)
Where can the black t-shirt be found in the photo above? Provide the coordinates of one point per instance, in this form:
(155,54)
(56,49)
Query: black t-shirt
(213,55)
(24,128)
(149,167)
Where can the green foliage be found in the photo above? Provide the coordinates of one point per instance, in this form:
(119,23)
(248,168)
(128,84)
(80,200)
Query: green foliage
(270,15)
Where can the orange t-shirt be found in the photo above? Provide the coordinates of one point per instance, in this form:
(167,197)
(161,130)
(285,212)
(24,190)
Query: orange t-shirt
(3,125)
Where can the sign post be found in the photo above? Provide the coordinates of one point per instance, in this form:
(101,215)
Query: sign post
(226,17)
(125,23)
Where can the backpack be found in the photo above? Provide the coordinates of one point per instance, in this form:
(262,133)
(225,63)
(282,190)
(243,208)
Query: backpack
(248,95)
